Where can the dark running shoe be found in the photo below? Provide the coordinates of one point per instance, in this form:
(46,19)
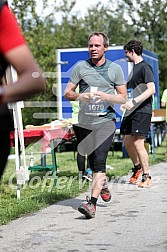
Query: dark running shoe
(105,193)
(87,209)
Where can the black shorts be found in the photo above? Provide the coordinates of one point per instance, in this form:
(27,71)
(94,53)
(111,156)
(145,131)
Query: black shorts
(136,124)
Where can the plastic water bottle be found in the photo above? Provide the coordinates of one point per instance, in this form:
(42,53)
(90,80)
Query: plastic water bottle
(31,160)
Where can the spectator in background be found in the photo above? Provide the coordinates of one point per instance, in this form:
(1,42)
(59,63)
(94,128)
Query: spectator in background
(164,103)
(81,160)
(137,117)
(14,51)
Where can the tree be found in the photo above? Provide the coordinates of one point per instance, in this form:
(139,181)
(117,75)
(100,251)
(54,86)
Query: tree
(39,32)
(121,21)
(44,34)
(103,18)
(149,19)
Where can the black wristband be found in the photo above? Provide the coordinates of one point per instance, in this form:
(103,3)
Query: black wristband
(134,102)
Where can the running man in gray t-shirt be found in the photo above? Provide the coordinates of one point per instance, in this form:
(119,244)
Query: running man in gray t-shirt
(101,85)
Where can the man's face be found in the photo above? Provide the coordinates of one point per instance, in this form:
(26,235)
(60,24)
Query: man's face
(129,55)
(96,47)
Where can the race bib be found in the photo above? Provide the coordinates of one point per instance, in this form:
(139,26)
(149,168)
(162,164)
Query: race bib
(96,109)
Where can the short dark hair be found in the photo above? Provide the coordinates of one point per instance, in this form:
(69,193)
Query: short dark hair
(135,45)
(105,38)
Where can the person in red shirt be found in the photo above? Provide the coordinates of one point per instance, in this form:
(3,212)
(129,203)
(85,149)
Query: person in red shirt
(14,51)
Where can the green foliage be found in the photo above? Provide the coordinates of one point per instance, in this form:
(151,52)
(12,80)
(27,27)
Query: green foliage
(149,20)
(102,18)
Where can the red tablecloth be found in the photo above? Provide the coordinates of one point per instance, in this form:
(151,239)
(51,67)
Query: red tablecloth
(33,135)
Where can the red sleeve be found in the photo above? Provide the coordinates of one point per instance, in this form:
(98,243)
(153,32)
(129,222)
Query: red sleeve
(10,33)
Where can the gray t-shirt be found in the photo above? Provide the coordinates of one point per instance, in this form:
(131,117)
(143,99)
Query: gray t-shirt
(105,77)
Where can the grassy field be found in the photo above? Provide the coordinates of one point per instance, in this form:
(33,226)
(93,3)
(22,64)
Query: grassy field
(40,191)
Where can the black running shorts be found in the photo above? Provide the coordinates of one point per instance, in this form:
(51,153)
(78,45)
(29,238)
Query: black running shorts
(136,124)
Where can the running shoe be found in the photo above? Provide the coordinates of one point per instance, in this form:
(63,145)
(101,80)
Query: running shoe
(88,170)
(87,209)
(135,176)
(105,193)
(87,176)
(146,181)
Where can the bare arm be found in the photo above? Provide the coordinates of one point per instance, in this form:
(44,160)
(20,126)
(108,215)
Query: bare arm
(30,79)
(164,99)
(163,104)
(71,95)
(142,97)
(69,92)
(146,94)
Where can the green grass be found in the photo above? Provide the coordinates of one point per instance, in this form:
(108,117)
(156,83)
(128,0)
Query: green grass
(40,192)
